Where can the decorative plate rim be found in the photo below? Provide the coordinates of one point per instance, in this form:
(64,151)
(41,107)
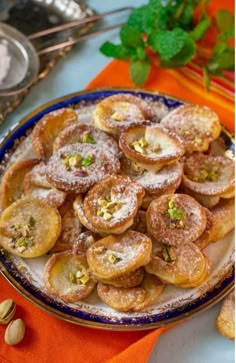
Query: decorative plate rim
(201,303)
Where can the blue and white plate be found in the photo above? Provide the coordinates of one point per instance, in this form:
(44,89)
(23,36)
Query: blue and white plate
(174,304)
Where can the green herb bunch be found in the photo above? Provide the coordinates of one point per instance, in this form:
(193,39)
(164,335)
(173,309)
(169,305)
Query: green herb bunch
(167,29)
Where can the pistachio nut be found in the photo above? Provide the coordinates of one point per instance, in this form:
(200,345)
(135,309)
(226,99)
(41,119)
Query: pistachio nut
(15,332)
(7,311)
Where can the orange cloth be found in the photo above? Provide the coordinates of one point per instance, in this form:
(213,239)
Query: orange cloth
(49,339)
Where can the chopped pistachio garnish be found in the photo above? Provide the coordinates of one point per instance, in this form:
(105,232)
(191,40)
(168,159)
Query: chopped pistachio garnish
(112,258)
(72,277)
(21,249)
(210,173)
(107,216)
(107,207)
(87,160)
(198,141)
(117,116)
(32,221)
(21,242)
(84,279)
(176,214)
(71,161)
(140,145)
(166,254)
(88,139)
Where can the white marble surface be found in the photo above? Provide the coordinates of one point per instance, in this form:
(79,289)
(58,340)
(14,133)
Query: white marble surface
(197,340)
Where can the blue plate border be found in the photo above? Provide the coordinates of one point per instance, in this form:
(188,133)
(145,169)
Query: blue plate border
(65,312)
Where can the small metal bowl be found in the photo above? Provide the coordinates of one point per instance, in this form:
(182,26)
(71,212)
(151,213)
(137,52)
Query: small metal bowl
(24,63)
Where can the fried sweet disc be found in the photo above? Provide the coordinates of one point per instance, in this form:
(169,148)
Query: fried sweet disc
(176,219)
(153,287)
(150,147)
(155,183)
(119,298)
(67,277)
(209,175)
(70,231)
(206,237)
(114,256)
(29,227)
(130,279)
(35,183)
(196,126)
(111,205)
(225,322)
(81,133)
(118,112)
(83,242)
(76,168)
(78,206)
(183,266)
(11,186)
(223,218)
(47,129)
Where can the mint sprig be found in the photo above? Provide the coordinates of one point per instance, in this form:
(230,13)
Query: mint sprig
(166,27)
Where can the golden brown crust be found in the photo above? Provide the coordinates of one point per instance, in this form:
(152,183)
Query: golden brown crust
(47,129)
(114,256)
(118,112)
(159,148)
(196,125)
(206,237)
(11,185)
(78,206)
(60,277)
(111,205)
(225,321)
(81,133)
(35,183)
(209,175)
(29,227)
(80,176)
(83,242)
(170,230)
(186,266)
(70,231)
(223,218)
(119,298)
(130,279)
(153,287)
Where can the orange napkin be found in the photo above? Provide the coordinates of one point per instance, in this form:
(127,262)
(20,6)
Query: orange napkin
(49,339)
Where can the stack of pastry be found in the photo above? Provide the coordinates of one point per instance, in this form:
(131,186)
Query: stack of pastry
(124,206)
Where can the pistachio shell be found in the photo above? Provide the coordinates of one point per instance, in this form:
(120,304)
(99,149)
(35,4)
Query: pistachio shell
(15,332)
(7,311)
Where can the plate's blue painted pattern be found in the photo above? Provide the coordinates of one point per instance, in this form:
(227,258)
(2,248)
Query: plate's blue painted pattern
(40,296)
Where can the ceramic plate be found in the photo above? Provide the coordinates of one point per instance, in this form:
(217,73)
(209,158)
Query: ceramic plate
(174,304)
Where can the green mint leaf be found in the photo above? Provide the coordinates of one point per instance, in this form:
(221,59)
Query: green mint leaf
(225,60)
(131,37)
(87,160)
(185,20)
(32,221)
(220,48)
(139,71)
(183,57)
(117,51)
(200,29)
(225,20)
(226,35)
(141,55)
(140,19)
(167,43)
